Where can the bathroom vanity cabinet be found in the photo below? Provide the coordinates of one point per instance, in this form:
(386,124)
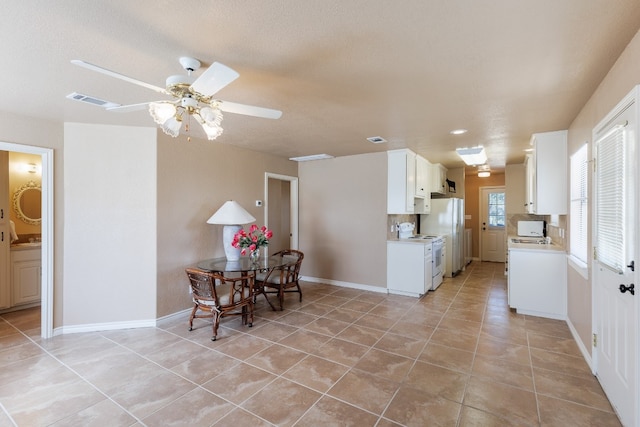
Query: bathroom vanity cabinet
(26,273)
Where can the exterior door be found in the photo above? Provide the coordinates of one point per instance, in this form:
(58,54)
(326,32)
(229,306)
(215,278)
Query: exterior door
(615,235)
(492,226)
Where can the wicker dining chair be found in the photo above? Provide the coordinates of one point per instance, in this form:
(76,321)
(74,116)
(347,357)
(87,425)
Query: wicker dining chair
(283,279)
(218,296)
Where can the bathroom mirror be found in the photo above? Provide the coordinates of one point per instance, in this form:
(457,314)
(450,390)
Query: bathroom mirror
(27,203)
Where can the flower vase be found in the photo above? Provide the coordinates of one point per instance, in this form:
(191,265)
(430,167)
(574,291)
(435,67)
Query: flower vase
(254,255)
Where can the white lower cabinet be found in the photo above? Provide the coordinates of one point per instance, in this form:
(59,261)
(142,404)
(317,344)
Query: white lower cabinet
(537,281)
(26,272)
(409,268)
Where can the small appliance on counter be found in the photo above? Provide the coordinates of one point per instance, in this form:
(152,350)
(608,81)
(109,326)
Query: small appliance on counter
(405,230)
(531,228)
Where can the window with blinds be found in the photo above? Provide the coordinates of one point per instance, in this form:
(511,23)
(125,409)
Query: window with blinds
(610,201)
(578,225)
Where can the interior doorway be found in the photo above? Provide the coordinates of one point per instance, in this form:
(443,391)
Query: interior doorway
(281,210)
(46,304)
(492,224)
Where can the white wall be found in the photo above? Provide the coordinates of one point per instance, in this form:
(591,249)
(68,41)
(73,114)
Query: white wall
(109,225)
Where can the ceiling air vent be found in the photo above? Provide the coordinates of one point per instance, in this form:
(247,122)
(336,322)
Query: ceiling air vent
(91,100)
(376,139)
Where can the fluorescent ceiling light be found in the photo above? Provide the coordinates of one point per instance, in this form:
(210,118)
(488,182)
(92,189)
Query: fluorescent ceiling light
(311,157)
(472,156)
(458,131)
(484,174)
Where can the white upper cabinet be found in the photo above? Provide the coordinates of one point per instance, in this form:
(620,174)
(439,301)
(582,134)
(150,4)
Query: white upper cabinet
(438,177)
(546,174)
(401,183)
(422,176)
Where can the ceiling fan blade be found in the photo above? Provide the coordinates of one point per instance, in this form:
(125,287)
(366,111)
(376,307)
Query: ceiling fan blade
(129,108)
(110,73)
(213,79)
(249,110)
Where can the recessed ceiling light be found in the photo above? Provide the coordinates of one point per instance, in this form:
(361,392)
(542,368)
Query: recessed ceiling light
(311,157)
(376,139)
(458,131)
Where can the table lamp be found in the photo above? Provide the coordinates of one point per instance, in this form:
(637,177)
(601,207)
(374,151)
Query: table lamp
(231,215)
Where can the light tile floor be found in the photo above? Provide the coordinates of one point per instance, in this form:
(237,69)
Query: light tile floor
(342,357)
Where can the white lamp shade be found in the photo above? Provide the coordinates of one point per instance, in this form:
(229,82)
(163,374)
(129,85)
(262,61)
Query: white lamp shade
(231,213)
(161,111)
(212,131)
(172,127)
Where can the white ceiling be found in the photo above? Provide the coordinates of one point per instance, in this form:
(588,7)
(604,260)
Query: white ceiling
(340,70)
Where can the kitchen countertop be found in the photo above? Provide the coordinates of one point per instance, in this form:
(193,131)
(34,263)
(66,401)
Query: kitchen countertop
(26,246)
(423,241)
(532,246)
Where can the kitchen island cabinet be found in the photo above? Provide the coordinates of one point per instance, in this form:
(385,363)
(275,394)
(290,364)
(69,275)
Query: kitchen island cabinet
(537,280)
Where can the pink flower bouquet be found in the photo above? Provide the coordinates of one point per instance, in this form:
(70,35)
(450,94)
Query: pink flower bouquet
(252,240)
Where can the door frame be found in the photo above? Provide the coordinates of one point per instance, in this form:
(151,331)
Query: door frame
(47,226)
(480,216)
(293,196)
(633,96)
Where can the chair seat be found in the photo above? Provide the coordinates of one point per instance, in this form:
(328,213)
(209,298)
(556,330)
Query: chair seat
(219,296)
(274,278)
(282,278)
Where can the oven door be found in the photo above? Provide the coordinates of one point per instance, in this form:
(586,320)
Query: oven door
(437,257)
(437,267)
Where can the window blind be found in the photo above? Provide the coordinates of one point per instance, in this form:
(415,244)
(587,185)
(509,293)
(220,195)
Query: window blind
(610,204)
(579,205)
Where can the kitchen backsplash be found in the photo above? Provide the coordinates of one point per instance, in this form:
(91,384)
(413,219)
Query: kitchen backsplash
(553,231)
(398,219)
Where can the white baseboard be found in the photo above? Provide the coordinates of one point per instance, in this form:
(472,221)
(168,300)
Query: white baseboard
(585,353)
(95,327)
(345,284)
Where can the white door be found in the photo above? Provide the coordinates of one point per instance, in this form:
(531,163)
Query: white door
(615,247)
(492,224)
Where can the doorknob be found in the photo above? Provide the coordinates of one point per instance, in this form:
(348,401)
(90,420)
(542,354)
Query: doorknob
(630,288)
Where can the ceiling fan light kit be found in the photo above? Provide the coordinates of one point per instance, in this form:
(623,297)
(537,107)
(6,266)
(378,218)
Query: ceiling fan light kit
(194,97)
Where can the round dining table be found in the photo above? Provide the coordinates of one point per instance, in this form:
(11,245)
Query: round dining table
(244,264)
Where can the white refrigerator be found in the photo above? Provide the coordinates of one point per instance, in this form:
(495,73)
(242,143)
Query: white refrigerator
(447,219)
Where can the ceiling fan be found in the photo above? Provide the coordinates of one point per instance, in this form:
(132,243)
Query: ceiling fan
(192,97)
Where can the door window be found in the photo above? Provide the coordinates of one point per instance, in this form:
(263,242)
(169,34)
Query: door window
(496,210)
